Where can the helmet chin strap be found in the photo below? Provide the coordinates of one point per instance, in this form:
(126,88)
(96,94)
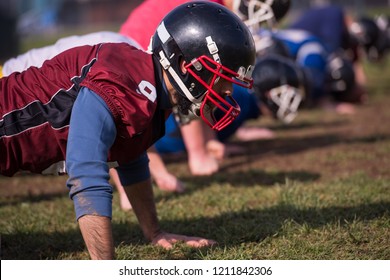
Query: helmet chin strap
(164,36)
(184,118)
(196,103)
(167,66)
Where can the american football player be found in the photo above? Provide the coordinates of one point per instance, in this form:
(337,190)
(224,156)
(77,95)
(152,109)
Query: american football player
(140,25)
(94,106)
(310,54)
(340,79)
(197,137)
(334,27)
(372,35)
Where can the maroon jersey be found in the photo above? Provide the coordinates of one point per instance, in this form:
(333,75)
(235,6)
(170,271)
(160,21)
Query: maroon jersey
(35,105)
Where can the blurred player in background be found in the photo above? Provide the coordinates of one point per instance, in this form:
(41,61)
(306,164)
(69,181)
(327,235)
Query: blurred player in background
(36,57)
(332,25)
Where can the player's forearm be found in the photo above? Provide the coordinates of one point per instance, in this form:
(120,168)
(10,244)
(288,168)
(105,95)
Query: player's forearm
(194,137)
(142,200)
(156,164)
(97,234)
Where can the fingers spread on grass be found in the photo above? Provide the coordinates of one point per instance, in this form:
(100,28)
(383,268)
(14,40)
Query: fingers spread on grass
(167,240)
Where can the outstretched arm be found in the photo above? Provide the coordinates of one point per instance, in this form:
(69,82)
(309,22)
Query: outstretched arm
(199,160)
(142,199)
(91,133)
(135,176)
(164,180)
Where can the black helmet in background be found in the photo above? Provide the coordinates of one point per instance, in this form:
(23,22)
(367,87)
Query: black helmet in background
(371,37)
(383,45)
(340,79)
(257,12)
(280,84)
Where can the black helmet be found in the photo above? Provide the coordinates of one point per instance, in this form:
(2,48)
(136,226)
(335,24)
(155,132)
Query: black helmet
(256,12)
(214,43)
(366,32)
(340,76)
(383,44)
(279,83)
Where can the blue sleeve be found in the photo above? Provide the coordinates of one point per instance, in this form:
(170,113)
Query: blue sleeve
(134,171)
(91,134)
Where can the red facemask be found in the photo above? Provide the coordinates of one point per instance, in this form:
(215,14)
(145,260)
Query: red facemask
(213,100)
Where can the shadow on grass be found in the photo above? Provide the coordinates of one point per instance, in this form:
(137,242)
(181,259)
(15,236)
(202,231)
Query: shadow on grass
(294,145)
(15,200)
(229,229)
(308,125)
(40,245)
(49,246)
(253,177)
(237,179)
(234,229)
(245,179)
(283,146)
(290,145)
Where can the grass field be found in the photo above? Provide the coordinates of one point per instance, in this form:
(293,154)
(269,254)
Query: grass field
(320,190)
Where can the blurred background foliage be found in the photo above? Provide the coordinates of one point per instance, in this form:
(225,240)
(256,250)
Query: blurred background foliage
(27,24)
